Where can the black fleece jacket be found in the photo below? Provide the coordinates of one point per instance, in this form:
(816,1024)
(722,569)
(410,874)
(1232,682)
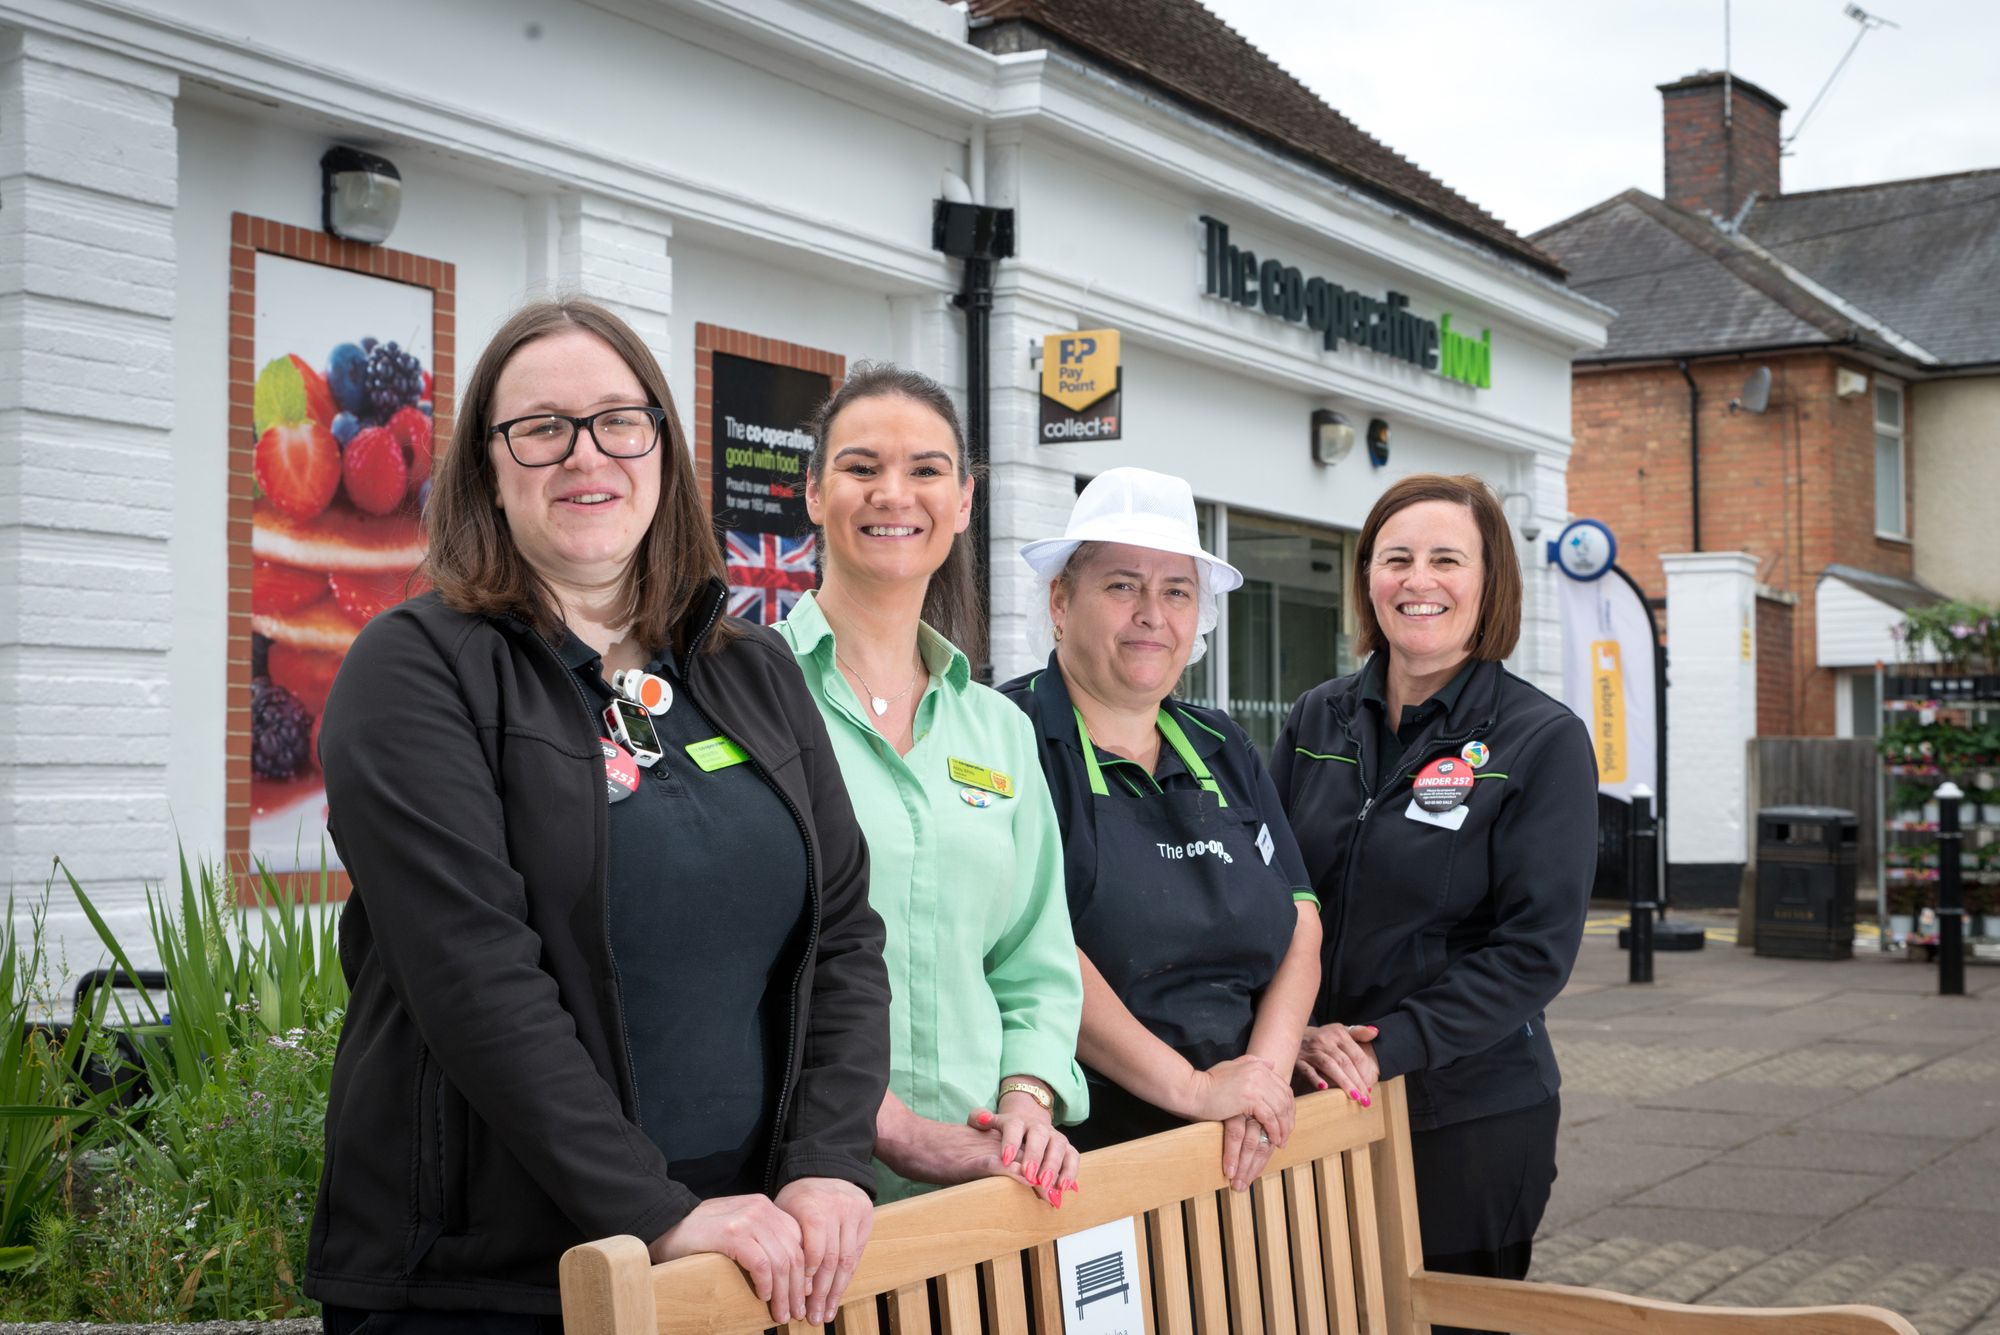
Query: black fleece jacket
(482,1117)
(1450,941)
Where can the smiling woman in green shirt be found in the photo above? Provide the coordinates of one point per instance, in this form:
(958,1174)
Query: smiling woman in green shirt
(965,855)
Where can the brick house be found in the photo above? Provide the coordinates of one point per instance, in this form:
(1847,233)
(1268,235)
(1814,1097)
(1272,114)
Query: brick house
(1811,378)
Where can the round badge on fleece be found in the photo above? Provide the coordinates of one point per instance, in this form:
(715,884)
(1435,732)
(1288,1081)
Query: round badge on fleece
(621,772)
(1443,784)
(1475,754)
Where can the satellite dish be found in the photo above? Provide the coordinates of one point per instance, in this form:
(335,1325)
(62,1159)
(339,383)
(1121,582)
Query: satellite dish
(1756,391)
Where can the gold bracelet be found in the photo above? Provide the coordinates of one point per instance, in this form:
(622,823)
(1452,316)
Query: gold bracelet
(1032,1090)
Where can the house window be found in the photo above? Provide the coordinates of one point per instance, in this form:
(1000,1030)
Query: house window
(1889,507)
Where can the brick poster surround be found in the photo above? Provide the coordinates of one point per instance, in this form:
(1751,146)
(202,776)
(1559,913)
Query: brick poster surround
(710,339)
(248,238)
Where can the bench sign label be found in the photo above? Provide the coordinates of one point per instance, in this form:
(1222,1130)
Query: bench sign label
(1099,1271)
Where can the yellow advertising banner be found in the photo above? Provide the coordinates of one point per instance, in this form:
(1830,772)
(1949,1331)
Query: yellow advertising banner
(1607,709)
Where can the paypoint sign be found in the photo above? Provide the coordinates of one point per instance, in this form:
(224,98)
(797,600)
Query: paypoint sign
(1082,386)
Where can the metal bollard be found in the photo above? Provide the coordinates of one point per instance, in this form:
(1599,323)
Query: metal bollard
(1642,875)
(1951,896)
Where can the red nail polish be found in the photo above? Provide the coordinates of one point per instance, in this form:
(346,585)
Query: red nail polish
(1364,1101)
(986,1119)
(1007,1156)
(1322,1084)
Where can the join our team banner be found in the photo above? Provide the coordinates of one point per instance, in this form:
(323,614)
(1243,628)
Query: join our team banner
(1608,661)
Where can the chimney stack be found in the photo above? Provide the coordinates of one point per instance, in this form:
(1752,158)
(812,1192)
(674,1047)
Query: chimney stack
(1722,142)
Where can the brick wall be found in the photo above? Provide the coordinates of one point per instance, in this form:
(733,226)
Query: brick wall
(1793,486)
(1777,682)
(1713,163)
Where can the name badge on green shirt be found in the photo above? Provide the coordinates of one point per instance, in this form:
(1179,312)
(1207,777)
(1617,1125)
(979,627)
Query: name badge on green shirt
(992,780)
(715,753)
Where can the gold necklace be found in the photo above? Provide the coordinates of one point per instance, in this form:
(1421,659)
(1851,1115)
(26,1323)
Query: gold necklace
(880,704)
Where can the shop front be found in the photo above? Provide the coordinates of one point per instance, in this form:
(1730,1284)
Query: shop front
(751,184)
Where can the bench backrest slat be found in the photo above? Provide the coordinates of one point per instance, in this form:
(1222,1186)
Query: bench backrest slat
(1302,1231)
(1329,1180)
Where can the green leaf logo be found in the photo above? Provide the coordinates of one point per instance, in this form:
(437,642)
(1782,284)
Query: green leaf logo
(281,396)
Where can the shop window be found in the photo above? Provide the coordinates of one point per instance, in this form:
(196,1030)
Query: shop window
(1286,632)
(1889,474)
(1862,714)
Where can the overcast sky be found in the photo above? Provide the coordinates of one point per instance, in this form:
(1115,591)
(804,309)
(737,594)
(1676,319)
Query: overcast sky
(1536,109)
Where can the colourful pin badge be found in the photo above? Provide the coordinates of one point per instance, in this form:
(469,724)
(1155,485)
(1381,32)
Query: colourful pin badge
(972,797)
(1475,754)
(1443,784)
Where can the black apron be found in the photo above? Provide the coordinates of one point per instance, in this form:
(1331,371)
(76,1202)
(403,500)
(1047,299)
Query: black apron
(1186,921)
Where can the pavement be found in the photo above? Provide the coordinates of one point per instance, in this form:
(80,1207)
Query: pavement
(1771,1132)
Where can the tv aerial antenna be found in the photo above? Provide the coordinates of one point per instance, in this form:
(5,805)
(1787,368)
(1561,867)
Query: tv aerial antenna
(1868,23)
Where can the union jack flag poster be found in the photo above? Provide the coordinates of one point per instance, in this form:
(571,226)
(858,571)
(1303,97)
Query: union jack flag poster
(767,573)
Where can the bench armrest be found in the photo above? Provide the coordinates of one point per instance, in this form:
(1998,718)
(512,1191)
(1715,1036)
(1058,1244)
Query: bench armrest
(607,1287)
(1557,1309)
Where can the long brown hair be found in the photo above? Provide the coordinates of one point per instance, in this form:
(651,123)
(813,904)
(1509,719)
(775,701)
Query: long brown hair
(951,601)
(1500,587)
(473,559)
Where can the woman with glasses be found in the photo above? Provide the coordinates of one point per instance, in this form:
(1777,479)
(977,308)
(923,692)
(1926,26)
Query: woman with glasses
(580,1008)
(965,855)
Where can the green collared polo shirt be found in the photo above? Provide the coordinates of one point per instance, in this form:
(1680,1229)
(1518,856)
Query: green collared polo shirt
(965,865)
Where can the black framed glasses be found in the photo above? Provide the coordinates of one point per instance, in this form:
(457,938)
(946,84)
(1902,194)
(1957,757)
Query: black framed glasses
(547,439)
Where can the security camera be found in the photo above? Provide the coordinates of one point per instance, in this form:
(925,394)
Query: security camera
(1531,530)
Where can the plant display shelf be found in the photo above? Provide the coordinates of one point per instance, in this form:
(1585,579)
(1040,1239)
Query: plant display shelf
(1936,725)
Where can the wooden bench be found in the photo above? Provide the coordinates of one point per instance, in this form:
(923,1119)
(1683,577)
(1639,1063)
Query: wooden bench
(1326,1240)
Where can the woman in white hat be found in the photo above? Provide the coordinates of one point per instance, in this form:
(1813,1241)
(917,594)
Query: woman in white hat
(1196,925)
(965,858)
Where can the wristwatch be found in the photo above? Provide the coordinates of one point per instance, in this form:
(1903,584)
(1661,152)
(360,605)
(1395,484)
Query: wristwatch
(1032,1090)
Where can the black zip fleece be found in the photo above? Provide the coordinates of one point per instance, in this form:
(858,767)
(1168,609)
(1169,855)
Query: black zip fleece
(482,1117)
(1450,941)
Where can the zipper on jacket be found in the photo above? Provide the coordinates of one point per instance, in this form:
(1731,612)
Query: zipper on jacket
(603,803)
(812,891)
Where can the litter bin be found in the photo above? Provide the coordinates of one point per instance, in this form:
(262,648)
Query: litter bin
(1805,882)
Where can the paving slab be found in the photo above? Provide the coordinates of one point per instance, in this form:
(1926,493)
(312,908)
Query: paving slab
(1675,1126)
(1839,1151)
(1950,1185)
(1905,1108)
(1808,1191)
(1713,1228)
(1944,1236)
(1745,1097)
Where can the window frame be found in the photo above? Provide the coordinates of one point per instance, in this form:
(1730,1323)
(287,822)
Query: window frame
(1899,432)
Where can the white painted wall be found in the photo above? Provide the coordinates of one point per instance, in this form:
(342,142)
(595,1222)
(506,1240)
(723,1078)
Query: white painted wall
(1954,445)
(1711,703)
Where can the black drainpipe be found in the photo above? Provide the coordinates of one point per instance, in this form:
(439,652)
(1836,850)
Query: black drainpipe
(980,236)
(1694,453)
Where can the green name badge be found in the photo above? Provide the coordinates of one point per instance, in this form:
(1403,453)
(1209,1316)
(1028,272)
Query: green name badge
(978,776)
(715,753)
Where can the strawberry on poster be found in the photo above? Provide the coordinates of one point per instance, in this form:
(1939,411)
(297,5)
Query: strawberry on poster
(342,459)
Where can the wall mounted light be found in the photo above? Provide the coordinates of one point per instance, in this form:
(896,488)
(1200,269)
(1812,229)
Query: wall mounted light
(1849,384)
(1332,437)
(360,195)
(1378,441)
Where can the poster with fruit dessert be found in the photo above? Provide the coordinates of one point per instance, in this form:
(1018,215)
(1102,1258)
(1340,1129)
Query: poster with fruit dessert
(342,418)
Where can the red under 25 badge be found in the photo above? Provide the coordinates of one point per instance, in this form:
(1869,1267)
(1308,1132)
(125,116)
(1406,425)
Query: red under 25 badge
(1443,784)
(621,772)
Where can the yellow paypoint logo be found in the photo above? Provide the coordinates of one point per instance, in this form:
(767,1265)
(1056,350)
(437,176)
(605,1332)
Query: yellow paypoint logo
(1607,709)
(1079,368)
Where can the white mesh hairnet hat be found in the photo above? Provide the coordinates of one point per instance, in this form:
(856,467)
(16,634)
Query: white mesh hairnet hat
(1139,508)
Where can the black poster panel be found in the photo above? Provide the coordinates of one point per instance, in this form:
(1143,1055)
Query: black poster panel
(759,447)
(759,443)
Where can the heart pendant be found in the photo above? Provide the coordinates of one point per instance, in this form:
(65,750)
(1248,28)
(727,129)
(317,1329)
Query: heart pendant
(879,705)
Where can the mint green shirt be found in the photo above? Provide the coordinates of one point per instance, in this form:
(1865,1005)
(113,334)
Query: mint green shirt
(983,977)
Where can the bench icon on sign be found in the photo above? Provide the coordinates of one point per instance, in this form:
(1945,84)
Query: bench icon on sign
(1101,1278)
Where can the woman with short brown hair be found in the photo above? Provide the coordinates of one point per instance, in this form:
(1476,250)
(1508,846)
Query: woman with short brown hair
(1447,811)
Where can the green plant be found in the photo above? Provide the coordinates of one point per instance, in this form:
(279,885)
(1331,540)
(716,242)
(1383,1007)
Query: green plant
(192,1202)
(45,1105)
